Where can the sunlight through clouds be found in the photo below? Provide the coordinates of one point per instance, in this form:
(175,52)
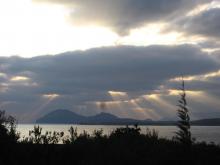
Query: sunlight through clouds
(201,8)
(29,29)
(50,96)
(116,96)
(39,108)
(150,35)
(204,77)
(123,57)
(19,78)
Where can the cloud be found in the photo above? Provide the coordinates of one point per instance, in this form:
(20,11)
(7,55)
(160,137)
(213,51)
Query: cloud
(124,68)
(205,23)
(124,15)
(83,77)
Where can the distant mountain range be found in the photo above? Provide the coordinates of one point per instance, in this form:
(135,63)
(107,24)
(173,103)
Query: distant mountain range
(69,117)
(207,122)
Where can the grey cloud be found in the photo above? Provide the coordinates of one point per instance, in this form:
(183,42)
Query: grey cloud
(112,68)
(123,15)
(199,107)
(86,76)
(205,24)
(210,44)
(216,55)
(209,86)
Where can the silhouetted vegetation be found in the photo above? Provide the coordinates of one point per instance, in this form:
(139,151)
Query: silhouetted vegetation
(36,137)
(8,132)
(126,145)
(184,134)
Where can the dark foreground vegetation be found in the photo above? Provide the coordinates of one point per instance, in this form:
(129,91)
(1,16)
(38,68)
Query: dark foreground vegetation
(123,146)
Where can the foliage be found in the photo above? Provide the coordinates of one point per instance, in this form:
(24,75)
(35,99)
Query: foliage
(125,145)
(36,137)
(73,136)
(8,132)
(184,134)
(152,134)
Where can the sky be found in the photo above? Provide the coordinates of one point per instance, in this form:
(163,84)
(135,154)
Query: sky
(124,57)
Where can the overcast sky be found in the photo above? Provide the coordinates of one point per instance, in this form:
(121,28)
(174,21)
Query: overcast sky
(123,57)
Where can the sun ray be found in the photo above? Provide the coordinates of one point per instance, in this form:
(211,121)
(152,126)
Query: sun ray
(47,100)
(202,77)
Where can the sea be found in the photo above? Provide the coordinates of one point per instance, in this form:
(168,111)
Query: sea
(209,134)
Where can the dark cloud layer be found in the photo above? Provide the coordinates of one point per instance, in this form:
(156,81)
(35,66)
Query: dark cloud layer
(85,76)
(112,68)
(123,15)
(205,23)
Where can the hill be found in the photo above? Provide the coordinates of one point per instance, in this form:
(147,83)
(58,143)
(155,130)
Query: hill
(61,117)
(207,122)
(69,117)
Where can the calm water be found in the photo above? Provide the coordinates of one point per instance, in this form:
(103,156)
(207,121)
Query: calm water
(201,133)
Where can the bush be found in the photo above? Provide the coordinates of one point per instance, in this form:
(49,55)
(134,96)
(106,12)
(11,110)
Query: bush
(8,132)
(36,137)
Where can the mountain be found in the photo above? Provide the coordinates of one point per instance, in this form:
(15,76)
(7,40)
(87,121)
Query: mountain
(207,122)
(61,117)
(102,118)
(69,117)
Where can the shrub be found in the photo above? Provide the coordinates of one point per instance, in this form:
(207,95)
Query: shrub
(184,134)
(8,133)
